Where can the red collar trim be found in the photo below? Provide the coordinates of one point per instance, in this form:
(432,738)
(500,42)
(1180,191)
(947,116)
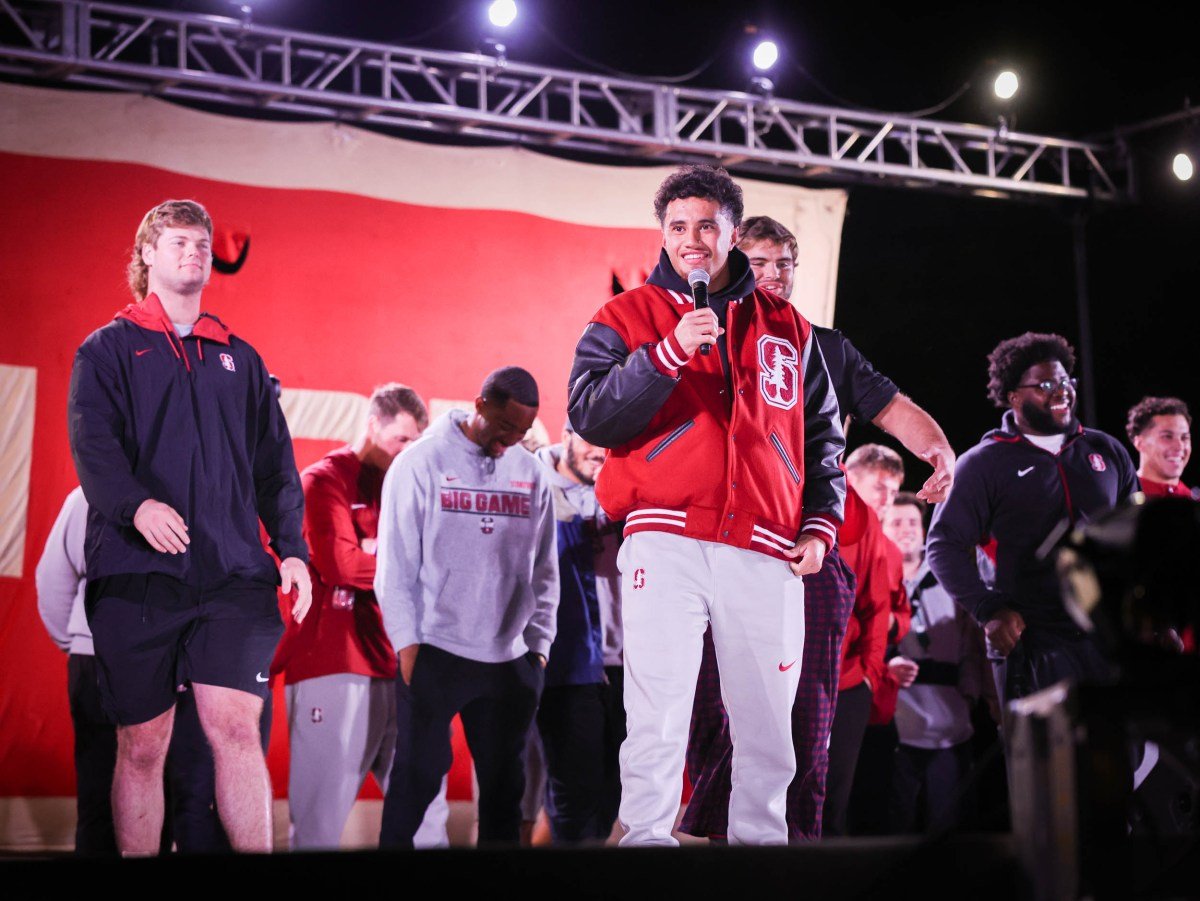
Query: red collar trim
(149,314)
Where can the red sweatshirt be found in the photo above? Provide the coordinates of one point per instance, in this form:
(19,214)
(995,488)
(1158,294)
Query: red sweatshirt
(863,547)
(341,508)
(1161,489)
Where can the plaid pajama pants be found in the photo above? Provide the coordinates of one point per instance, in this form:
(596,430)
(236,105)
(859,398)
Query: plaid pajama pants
(829,598)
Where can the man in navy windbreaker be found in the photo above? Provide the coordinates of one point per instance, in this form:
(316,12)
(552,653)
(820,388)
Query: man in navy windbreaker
(1039,470)
(181,448)
(580,718)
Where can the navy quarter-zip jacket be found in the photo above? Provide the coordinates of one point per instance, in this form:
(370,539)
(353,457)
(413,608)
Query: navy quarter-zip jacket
(191,422)
(1009,489)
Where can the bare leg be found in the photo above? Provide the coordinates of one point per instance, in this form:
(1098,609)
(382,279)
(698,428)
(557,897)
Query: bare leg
(230,720)
(137,794)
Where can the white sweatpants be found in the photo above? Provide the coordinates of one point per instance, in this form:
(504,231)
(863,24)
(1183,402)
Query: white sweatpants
(671,588)
(340,728)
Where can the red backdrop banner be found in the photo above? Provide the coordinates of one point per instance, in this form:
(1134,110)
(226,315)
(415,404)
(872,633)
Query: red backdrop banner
(339,292)
(371,259)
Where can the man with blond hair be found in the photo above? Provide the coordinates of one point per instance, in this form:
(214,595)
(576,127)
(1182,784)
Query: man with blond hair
(339,667)
(181,449)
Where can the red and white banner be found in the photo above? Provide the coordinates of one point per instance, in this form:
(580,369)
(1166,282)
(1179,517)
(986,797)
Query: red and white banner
(371,259)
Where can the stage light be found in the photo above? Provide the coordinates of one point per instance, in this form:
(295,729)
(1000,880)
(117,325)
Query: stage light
(1005,85)
(502,13)
(766,54)
(1183,167)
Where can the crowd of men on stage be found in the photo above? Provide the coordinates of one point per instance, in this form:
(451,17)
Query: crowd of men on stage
(695,579)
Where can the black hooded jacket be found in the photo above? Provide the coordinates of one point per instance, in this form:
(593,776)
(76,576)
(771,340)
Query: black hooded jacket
(1008,489)
(191,422)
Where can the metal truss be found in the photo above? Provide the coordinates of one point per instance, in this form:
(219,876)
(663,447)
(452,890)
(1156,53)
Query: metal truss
(217,60)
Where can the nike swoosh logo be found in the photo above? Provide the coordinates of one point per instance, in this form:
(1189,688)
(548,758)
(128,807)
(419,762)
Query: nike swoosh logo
(451,478)
(138,353)
(1021,473)
(259,677)
(784,669)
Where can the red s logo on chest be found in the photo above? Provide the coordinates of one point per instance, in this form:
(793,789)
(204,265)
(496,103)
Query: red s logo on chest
(778,372)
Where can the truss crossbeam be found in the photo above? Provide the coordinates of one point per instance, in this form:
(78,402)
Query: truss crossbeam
(218,60)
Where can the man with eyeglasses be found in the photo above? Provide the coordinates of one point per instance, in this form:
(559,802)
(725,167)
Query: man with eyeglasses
(1017,487)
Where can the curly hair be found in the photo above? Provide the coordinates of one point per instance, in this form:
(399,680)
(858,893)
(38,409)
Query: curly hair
(764,228)
(876,456)
(1013,356)
(1148,407)
(168,214)
(705,182)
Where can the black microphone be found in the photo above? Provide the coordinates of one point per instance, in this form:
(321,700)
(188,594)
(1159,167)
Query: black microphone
(698,282)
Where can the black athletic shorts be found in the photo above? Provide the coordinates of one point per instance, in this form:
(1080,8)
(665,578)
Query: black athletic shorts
(154,633)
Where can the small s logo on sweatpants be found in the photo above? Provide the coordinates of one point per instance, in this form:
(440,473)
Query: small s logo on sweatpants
(639,578)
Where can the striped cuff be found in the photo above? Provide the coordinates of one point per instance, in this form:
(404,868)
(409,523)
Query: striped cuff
(822,526)
(667,356)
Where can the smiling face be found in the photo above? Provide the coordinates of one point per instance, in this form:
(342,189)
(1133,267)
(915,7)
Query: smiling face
(1165,446)
(698,234)
(1040,412)
(581,460)
(772,265)
(498,427)
(902,523)
(180,261)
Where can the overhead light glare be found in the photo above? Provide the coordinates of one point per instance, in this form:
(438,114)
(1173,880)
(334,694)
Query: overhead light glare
(766,55)
(502,13)
(1183,167)
(1006,84)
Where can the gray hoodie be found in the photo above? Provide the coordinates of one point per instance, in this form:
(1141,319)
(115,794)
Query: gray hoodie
(60,578)
(467,559)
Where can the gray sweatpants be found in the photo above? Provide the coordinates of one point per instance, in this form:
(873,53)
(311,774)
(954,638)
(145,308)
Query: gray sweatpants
(342,727)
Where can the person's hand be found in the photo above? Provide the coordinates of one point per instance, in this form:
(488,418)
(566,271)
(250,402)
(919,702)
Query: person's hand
(369,545)
(293,573)
(1003,630)
(408,659)
(937,486)
(695,328)
(162,527)
(808,554)
(903,670)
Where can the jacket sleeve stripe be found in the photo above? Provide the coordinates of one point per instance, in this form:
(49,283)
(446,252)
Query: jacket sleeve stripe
(674,350)
(769,534)
(661,511)
(660,360)
(819,527)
